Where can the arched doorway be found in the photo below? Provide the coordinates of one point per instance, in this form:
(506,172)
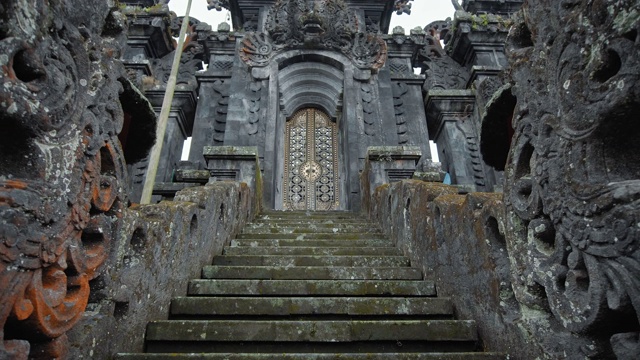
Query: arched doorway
(310,162)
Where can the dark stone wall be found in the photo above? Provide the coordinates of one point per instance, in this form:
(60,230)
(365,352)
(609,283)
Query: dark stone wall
(460,242)
(159,249)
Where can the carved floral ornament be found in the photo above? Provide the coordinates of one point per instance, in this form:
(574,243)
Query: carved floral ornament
(573,191)
(61,172)
(323,24)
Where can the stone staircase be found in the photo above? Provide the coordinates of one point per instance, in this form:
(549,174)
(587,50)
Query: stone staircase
(311,285)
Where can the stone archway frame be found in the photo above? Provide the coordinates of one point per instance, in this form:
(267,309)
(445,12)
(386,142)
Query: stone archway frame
(345,117)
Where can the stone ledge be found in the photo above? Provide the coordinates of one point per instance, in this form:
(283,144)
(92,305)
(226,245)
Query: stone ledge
(388,153)
(230,152)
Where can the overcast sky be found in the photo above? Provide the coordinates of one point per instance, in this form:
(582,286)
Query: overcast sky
(422,13)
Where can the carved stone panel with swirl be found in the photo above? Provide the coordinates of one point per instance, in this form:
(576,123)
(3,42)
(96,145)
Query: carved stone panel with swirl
(573,191)
(62,169)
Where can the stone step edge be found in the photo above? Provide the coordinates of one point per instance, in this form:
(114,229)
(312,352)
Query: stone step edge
(320,331)
(244,287)
(308,250)
(317,356)
(321,260)
(310,272)
(313,242)
(314,235)
(299,306)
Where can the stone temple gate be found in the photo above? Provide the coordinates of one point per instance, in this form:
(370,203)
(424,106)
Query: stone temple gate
(333,56)
(305,105)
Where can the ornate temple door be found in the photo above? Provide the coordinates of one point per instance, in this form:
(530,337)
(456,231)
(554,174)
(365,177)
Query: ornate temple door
(310,162)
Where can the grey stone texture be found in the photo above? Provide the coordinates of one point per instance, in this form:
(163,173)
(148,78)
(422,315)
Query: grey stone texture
(460,241)
(158,249)
(571,181)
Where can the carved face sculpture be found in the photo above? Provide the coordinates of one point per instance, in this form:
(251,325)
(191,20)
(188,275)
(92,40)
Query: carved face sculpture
(60,165)
(297,22)
(573,174)
(312,25)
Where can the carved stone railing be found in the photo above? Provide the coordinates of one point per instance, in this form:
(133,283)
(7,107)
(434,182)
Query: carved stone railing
(464,243)
(550,269)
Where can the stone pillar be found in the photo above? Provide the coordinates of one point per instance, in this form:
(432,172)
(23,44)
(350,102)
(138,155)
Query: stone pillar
(478,44)
(235,163)
(449,118)
(179,127)
(147,38)
(211,116)
(408,109)
(386,164)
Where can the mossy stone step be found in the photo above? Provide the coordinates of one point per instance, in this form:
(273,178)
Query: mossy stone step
(310,225)
(327,221)
(308,213)
(409,288)
(311,331)
(311,260)
(286,306)
(303,236)
(311,242)
(310,272)
(312,230)
(316,356)
(311,217)
(311,250)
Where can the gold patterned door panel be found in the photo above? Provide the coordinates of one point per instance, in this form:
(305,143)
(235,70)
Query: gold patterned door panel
(310,162)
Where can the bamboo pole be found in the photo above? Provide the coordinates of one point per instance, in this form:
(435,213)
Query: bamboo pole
(154,158)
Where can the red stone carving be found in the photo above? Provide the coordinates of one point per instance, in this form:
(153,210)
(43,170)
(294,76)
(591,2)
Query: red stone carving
(61,170)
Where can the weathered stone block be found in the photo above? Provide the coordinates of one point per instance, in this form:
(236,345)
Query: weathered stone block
(158,249)
(238,163)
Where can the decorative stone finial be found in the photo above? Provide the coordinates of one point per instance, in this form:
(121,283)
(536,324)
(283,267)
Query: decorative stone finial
(224,27)
(218,4)
(403,7)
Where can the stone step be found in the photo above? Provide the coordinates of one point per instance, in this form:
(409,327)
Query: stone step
(303,214)
(409,288)
(311,250)
(275,349)
(318,331)
(317,356)
(310,260)
(287,306)
(312,229)
(327,221)
(311,218)
(311,225)
(310,272)
(312,235)
(311,242)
